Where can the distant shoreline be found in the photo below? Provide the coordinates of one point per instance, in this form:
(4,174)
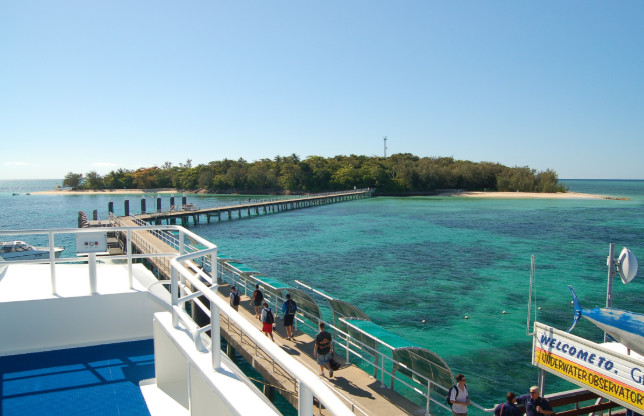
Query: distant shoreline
(456,194)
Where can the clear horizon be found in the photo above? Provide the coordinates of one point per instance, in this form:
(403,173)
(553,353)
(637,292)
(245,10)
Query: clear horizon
(92,86)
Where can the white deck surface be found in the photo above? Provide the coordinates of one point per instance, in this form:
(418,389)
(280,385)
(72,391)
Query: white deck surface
(23,282)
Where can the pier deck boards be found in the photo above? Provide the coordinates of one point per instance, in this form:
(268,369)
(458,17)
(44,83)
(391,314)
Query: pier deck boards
(351,383)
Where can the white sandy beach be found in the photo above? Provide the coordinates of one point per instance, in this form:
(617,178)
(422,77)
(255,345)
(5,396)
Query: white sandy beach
(523,195)
(111,192)
(463,194)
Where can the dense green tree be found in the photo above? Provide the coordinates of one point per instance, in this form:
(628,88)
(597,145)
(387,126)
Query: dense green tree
(73,180)
(402,172)
(93,181)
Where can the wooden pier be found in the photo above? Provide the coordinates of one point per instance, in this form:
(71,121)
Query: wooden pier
(188,213)
(362,393)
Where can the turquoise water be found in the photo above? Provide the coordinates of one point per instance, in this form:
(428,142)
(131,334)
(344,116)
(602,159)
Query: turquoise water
(405,260)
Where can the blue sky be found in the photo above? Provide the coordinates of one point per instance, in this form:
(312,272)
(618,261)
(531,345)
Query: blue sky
(89,85)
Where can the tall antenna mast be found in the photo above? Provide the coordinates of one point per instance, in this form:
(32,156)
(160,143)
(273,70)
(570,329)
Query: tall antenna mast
(385,147)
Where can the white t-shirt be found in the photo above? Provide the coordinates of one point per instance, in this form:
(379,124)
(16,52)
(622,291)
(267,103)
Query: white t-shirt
(461,397)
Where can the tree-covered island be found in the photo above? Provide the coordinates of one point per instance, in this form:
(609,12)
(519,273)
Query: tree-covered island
(401,173)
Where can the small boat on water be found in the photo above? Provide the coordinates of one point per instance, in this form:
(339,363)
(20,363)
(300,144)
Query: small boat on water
(19,250)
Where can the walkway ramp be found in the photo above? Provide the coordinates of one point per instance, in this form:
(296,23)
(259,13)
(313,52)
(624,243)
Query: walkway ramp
(364,394)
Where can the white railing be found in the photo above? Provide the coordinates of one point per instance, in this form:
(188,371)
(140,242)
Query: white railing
(309,385)
(430,391)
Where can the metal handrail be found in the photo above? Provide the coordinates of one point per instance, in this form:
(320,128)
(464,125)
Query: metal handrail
(353,346)
(309,384)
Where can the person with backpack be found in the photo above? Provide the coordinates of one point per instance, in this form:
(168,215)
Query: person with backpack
(508,409)
(323,350)
(459,397)
(258,297)
(267,321)
(234,298)
(288,309)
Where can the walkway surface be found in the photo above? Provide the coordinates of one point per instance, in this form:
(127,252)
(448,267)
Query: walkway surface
(354,385)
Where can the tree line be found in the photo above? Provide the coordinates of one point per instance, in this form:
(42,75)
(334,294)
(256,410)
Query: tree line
(397,174)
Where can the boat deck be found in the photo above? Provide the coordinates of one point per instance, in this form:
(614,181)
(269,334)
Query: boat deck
(73,381)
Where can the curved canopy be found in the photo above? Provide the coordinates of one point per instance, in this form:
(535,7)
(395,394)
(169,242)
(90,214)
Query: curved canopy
(342,309)
(424,362)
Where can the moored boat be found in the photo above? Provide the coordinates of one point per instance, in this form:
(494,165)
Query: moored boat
(19,250)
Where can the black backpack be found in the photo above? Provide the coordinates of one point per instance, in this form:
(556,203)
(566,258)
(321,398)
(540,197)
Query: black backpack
(236,299)
(449,395)
(269,317)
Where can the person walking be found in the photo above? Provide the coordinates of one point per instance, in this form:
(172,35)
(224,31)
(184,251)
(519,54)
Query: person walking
(289,308)
(509,408)
(258,297)
(234,298)
(323,349)
(535,405)
(459,397)
(267,321)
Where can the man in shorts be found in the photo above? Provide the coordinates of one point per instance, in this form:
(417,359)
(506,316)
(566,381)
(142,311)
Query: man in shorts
(288,309)
(323,349)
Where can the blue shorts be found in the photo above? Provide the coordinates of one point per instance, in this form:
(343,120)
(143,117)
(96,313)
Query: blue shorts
(324,359)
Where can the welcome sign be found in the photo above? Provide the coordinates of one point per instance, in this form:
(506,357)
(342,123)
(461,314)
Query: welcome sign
(615,376)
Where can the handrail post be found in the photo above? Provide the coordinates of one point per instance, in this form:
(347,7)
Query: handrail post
(429,395)
(215,335)
(93,279)
(52,263)
(128,247)
(305,400)
(348,346)
(175,297)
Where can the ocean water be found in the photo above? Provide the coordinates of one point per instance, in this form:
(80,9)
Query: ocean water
(405,260)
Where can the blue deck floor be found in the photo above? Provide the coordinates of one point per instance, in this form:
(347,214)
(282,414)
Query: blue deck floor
(100,380)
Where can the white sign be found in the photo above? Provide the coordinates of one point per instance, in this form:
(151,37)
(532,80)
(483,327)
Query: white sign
(616,376)
(91,243)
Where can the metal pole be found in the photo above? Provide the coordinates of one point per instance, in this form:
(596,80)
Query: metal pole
(215,335)
(128,247)
(532,270)
(52,262)
(542,382)
(611,272)
(93,286)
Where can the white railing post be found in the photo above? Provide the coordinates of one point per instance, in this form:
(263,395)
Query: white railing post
(429,395)
(128,247)
(348,347)
(174,294)
(305,400)
(382,368)
(52,263)
(215,335)
(93,279)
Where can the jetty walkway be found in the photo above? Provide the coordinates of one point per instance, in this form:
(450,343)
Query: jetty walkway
(363,393)
(186,213)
